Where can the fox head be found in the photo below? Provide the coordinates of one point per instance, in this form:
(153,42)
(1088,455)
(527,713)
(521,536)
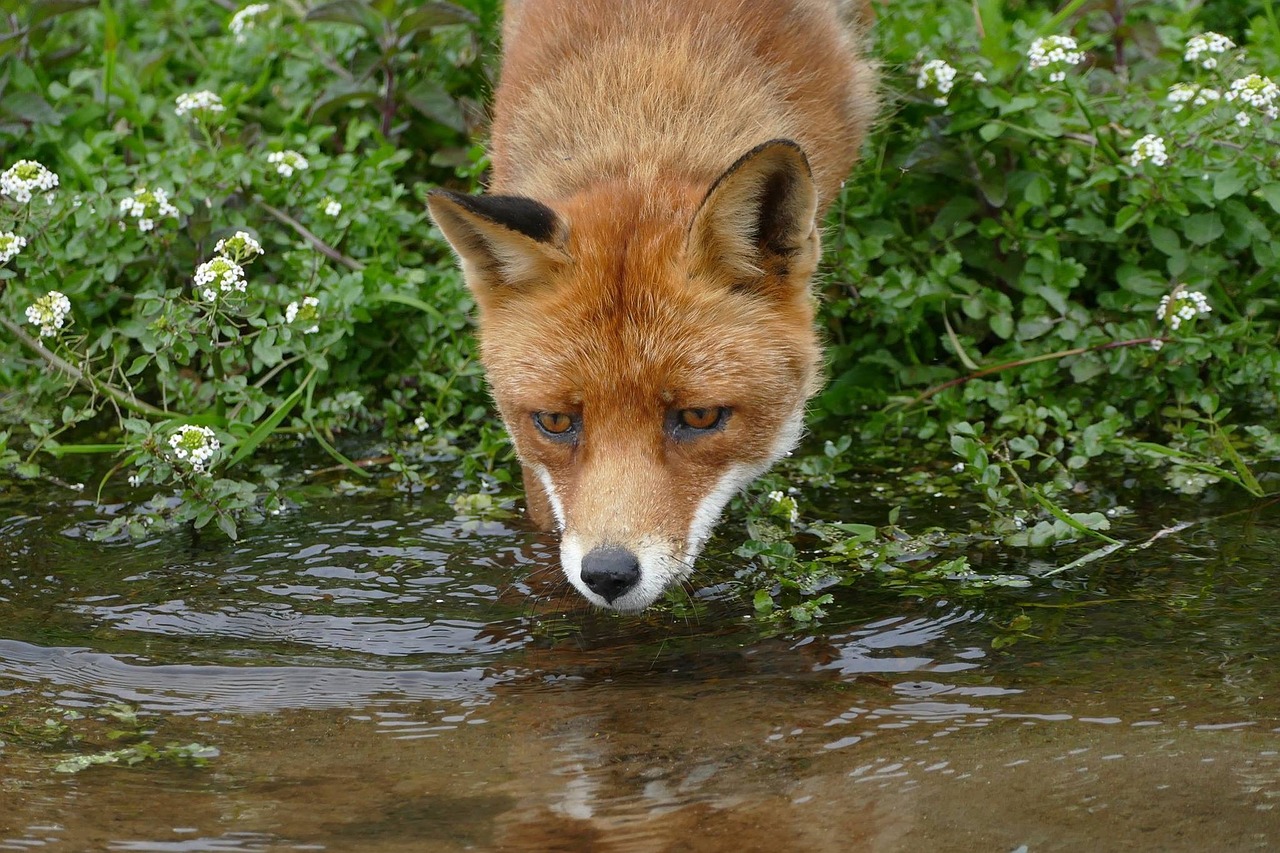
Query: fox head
(650,350)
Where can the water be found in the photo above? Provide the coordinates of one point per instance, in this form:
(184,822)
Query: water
(379,676)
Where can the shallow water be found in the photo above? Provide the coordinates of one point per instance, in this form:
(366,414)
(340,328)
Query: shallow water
(379,676)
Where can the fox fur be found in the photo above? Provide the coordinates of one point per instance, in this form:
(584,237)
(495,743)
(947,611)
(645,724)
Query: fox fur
(642,262)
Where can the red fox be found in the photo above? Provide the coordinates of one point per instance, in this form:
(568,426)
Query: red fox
(642,263)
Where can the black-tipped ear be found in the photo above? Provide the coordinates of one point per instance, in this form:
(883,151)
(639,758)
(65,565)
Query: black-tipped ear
(500,239)
(759,217)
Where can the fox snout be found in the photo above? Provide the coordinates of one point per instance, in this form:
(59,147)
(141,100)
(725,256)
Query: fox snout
(610,572)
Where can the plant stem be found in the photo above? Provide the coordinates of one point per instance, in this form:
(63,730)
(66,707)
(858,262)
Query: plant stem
(1023,362)
(123,398)
(320,245)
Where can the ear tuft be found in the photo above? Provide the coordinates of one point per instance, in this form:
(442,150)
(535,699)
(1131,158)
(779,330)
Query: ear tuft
(759,217)
(501,240)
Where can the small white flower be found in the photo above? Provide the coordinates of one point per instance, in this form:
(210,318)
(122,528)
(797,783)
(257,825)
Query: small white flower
(1149,147)
(1055,53)
(421,423)
(957,468)
(146,206)
(23,178)
(50,313)
(939,76)
(1207,43)
(307,312)
(332,207)
(979,77)
(1257,91)
(135,480)
(221,272)
(1242,119)
(787,504)
(246,19)
(1182,305)
(287,162)
(194,445)
(11,245)
(200,103)
(1157,345)
(240,246)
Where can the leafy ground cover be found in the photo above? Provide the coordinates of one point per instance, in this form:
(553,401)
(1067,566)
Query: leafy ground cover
(1055,268)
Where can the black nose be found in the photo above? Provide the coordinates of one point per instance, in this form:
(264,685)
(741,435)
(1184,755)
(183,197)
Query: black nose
(610,571)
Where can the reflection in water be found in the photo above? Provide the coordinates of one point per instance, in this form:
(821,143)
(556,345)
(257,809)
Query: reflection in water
(379,681)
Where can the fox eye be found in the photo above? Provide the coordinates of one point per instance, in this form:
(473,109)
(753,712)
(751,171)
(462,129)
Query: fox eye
(556,425)
(700,420)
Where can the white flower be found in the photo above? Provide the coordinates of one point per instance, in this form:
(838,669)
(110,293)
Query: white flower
(24,177)
(1149,147)
(240,246)
(979,77)
(332,207)
(200,103)
(49,313)
(135,480)
(1157,345)
(938,75)
(1257,91)
(10,246)
(1207,43)
(1182,305)
(957,468)
(421,423)
(146,206)
(246,19)
(287,162)
(307,312)
(194,445)
(222,272)
(1056,53)
(787,504)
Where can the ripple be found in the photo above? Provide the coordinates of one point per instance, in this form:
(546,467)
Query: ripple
(184,689)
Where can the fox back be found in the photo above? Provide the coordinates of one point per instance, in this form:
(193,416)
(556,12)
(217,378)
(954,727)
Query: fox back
(642,264)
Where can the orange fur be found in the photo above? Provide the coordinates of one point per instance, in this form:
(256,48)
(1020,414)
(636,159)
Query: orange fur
(669,162)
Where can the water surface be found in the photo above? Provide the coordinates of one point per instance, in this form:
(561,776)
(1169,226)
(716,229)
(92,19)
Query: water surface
(378,675)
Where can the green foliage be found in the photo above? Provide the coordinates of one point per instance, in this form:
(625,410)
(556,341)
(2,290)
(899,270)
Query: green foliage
(1043,271)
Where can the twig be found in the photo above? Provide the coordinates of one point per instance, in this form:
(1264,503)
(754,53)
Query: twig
(1023,362)
(323,247)
(113,393)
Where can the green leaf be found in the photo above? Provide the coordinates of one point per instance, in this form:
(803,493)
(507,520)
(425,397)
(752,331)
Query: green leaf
(1227,184)
(1204,228)
(436,14)
(1271,193)
(263,430)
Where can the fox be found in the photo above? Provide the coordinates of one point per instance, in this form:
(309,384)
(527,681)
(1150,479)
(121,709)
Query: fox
(642,259)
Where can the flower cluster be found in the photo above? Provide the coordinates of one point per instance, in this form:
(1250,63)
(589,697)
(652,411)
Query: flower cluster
(332,207)
(10,246)
(246,19)
(1209,43)
(221,273)
(146,206)
(287,162)
(194,445)
(50,313)
(785,505)
(1056,53)
(240,246)
(421,423)
(308,312)
(1257,91)
(1149,147)
(199,103)
(1182,93)
(1181,306)
(23,178)
(938,75)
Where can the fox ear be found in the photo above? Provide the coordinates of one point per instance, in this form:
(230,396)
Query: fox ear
(501,240)
(758,219)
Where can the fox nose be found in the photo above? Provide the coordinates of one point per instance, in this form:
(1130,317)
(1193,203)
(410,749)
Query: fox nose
(610,571)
